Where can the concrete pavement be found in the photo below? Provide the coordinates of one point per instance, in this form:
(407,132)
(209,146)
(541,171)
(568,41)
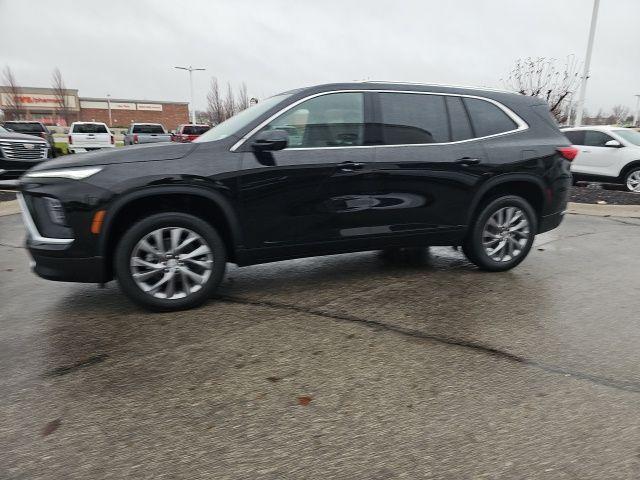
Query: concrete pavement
(352,366)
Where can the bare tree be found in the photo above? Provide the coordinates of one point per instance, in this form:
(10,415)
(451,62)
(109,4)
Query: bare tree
(14,109)
(229,103)
(541,77)
(619,114)
(60,93)
(215,108)
(243,98)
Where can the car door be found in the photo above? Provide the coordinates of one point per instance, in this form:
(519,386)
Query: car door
(595,158)
(425,170)
(318,188)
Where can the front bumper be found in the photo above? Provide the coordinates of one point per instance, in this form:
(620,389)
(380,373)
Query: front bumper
(64,269)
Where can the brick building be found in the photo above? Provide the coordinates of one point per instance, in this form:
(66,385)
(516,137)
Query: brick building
(123,112)
(43,105)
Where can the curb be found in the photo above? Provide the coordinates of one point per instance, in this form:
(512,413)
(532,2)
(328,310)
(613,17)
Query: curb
(10,207)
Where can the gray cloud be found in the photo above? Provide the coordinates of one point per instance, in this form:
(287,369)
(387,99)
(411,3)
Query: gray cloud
(128,48)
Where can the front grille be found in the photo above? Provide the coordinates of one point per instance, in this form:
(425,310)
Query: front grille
(23,150)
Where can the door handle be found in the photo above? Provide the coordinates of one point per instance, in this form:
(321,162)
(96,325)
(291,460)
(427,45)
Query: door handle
(585,151)
(350,166)
(467,161)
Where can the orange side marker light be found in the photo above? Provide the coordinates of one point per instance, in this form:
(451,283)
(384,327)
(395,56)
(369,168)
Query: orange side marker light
(96,224)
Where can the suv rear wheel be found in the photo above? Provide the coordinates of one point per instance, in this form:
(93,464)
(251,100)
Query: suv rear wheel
(632,180)
(170,261)
(501,235)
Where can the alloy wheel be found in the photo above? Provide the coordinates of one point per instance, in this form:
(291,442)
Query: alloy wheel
(633,181)
(505,234)
(171,263)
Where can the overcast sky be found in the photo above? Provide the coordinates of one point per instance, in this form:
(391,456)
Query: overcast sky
(129,48)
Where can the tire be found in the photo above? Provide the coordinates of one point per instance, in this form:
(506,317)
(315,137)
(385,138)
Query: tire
(177,289)
(632,180)
(485,227)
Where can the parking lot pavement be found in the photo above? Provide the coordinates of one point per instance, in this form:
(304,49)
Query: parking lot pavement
(352,366)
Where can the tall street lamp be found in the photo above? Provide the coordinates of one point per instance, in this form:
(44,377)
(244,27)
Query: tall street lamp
(635,117)
(109,108)
(587,63)
(190,69)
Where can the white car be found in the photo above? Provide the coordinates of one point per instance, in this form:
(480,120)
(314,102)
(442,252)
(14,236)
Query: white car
(85,136)
(606,154)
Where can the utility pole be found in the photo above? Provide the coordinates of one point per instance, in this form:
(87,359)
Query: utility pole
(109,108)
(635,117)
(587,63)
(190,69)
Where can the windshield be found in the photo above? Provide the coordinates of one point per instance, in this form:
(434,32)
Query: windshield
(240,120)
(148,128)
(629,135)
(25,127)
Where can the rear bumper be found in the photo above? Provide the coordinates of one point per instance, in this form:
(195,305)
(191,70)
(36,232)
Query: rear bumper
(549,222)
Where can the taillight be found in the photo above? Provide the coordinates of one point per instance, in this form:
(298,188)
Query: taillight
(135,138)
(70,140)
(113,140)
(568,153)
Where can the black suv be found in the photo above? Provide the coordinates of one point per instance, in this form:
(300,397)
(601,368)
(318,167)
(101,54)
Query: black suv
(321,170)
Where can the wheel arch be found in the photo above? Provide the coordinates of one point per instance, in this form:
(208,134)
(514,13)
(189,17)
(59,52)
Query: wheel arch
(210,205)
(629,166)
(529,187)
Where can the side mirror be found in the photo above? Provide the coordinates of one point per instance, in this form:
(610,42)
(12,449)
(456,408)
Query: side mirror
(270,140)
(613,144)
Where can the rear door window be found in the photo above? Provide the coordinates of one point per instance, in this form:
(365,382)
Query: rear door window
(410,118)
(487,118)
(594,138)
(89,128)
(460,125)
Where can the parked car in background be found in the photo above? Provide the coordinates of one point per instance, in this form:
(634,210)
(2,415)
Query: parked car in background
(321,170)
(32,128)
(87,136)
(146,133)
(19,152)
(189,132)
(606,154)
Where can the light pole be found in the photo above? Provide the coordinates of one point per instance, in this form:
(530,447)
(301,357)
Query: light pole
(635,117)
(109,108)
(190,69)
(587,63)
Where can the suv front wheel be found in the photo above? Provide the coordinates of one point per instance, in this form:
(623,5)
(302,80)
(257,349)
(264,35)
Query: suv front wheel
(170,261)
(502,233)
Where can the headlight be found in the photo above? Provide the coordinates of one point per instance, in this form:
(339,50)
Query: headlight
(56,211)
(72,173)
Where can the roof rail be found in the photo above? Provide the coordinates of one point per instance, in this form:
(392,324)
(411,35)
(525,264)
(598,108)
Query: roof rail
(468,87)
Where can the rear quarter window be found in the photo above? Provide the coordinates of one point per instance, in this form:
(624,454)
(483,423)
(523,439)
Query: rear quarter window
(487,118)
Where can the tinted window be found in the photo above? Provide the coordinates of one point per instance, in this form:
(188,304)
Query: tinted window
(333,120)
(460,126)
(409,118)
(593,138)
(25,127)
(576,137)
(194,129)
(148,129)
(487,118)
(89,128)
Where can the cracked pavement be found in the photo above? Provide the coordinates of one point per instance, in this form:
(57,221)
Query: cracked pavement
(362,365)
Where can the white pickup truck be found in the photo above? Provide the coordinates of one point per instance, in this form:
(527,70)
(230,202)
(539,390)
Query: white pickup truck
(86,136)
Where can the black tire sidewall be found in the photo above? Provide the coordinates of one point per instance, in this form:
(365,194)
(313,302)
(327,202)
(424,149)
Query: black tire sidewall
(473,247)
(169,219)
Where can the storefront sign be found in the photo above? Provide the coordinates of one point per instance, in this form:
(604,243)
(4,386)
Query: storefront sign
(153,107)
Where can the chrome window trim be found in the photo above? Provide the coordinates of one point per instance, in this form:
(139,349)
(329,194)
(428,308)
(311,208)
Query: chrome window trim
(33,230)
(521,124)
